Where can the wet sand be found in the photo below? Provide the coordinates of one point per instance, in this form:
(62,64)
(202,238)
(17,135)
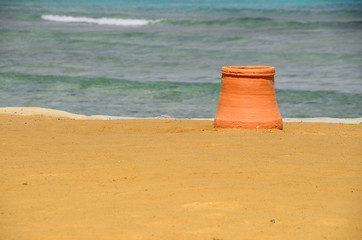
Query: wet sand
(177,179)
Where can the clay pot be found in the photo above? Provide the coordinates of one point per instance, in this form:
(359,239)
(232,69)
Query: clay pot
(247,98)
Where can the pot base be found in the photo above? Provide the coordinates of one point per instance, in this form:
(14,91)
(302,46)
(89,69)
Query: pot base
(277,124)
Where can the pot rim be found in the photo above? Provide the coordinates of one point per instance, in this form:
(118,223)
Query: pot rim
(262,71)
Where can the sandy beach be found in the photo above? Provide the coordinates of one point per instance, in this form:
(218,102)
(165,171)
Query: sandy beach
(62,178)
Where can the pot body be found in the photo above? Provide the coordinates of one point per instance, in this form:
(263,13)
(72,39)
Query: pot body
(247,98)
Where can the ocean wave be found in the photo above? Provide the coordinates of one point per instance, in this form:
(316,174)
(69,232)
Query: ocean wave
(227,21)
(263,21)
(100,21)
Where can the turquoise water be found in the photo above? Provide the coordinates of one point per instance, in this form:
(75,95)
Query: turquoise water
(147,58)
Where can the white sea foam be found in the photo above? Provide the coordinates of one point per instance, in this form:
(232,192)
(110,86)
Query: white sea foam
(101,21)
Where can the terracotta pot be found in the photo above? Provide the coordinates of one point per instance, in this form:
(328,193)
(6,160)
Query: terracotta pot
(247,98)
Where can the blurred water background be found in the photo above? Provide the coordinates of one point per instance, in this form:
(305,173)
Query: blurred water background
(144,58)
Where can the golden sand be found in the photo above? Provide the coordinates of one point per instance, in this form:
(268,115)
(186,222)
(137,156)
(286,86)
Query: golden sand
(177,179)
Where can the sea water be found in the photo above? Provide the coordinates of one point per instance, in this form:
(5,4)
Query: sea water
(144,58)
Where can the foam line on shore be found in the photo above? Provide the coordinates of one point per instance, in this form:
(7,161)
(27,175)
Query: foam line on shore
(325,120)
(37,111)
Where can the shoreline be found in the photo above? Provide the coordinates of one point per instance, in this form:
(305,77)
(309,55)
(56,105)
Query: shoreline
(37,111)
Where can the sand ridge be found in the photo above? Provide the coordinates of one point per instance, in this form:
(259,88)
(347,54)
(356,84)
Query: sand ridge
(37,111)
